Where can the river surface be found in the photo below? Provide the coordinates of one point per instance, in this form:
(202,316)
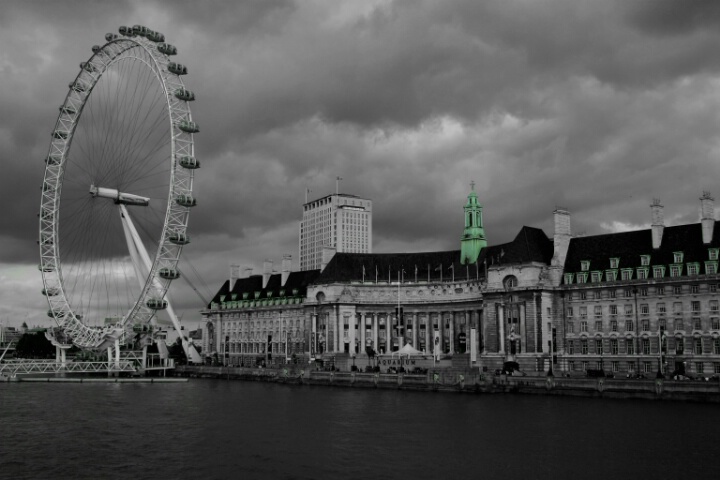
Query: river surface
(215,429)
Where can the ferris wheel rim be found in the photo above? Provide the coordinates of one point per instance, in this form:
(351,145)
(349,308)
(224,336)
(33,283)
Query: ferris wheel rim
(174,227)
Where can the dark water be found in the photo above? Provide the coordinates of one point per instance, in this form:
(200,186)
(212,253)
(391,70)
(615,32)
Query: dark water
(217,429)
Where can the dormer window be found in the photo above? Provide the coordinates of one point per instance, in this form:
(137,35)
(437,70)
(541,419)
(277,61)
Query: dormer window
(675,270)
(582,277)
(627,273)
(282,293)
(642,273)
(245,295)
(610,275)
(257,294)
(614,262)
(693,268)
(710,268)
(596,277)
(644,260)
(585,265)
(678,257)
(658,271)
(713,253)
(222,298)
(569,278)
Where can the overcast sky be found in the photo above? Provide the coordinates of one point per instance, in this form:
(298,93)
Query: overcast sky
(597,106)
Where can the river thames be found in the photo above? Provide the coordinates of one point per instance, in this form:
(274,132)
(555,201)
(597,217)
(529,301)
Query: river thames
(214,429)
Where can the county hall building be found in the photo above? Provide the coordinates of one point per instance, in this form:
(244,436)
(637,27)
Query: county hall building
(628,303)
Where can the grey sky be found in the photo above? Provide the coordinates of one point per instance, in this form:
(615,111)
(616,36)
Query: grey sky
(598,106)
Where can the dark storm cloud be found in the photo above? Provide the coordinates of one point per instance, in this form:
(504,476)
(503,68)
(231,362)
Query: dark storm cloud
(594,106)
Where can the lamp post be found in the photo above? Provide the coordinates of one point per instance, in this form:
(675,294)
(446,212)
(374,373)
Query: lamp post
(353,365)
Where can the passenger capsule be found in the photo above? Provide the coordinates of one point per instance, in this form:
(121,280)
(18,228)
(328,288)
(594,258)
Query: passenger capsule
(53,159)
(140,30)
(126,31)
(191,163)
(186,200)
(52,314)
(96,48)
(178,238)
(184,94)
(169,273)
(50,292)
(188,126)
(157,303)
(67,109)
(111,36)
(177,68)
(156,37)
(167,49)
(60,135)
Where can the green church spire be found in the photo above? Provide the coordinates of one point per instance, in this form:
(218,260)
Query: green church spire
(473,239)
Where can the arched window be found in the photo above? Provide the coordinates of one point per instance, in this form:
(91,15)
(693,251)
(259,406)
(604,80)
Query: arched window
(510,282)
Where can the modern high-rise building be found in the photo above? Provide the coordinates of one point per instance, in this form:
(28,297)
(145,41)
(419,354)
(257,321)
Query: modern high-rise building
(337,222)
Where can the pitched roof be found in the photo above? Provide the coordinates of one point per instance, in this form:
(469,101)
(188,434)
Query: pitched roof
(629,246)
(253,283)
(530,245)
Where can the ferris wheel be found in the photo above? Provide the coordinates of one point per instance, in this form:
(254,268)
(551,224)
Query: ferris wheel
(117,190)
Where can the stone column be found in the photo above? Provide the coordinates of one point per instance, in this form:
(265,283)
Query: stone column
(451,333)
(428,335)
(375,322)
(416,326)
(362,333)
(523,329)
(338,331)
(501,327)
(351,334)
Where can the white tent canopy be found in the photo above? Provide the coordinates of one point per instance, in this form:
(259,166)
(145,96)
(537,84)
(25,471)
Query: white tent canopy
(407,350)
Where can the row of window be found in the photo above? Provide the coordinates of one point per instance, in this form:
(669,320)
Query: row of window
(660,308)
(678,257)
(647,367)
(641,273)
(659,291)
(627,345)
(677,324)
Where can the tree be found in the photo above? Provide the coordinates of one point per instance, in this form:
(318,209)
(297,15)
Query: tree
(34,345)
(177,352)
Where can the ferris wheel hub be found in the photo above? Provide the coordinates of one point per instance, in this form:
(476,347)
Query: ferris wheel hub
(120,198)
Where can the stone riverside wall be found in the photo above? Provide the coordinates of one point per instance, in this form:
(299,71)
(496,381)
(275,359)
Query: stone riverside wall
(471,381)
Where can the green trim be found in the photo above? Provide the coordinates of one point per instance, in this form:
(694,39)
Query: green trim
(584,265)
(473,239)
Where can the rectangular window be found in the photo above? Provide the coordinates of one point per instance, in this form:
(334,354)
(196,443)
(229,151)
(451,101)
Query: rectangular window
(645,325)
(598,347)
(571,365)
(678,257)
(677,290)
(658,271)
(644,309)
(660,291)
(629,326)
(678,324)
(711,268)
(628,309)
(694,289)
(713,305)
(583,295)
(585,365)
(626,273)
(713,253)
(598,310)
(598,365)
(646,346)
(615,365)
(699,367)
(697,346)
(629,346)
(596,277)
(570,327)
(631,367)
(675,270)
(715,322)
(614,348)
(662,324)
(570,312)
(692,268)
(583,312)
(581,277)
(584,346)
(597,294)
(697,324)
(614,325)
(571,348)
(613,309)
(679,346)
(647,367)
(644,260)
(585,265)
(583,326)
(695,306)
(598,326)
(610,275)
(612,293)
(713,287)
(716,346)
(643,291)
(660,307)
(614,262)
(628,293)
(642,273)
(569,278)
(677,308)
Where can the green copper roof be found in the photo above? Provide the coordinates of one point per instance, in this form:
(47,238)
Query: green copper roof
(473,239)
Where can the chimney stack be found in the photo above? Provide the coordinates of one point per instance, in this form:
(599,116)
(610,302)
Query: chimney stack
(658,222)
(286,267)
(707,208)
(561,239)
(234,274)
(248,272)
(327,254)
(267,271)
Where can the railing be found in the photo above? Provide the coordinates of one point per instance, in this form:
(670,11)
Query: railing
(12,368)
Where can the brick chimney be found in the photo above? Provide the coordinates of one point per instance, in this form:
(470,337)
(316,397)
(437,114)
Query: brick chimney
(247,272)
(286,267)
(267,271)
(234,274)
(561,239)
(658,222)
(707,209)
(327,254)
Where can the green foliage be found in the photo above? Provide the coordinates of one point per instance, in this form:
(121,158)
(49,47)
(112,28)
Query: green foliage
(34,345)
